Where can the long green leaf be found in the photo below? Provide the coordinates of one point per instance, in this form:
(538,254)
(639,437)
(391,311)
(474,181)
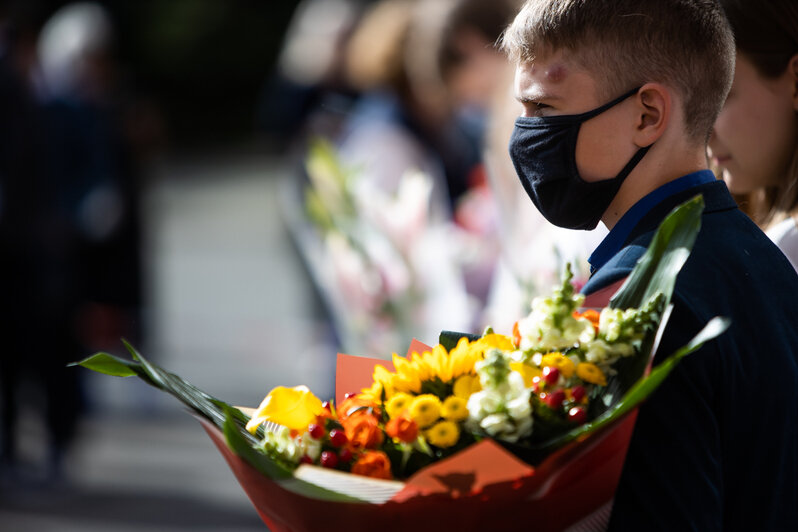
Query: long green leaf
(645,386)
(207,406)
(657,269)
(109,365)
(655,272)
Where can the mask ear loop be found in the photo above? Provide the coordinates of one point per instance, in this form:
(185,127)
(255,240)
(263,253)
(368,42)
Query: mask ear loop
(595,112)
(598,110)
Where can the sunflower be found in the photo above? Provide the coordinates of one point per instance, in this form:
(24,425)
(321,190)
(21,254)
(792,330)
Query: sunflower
(465,385)
(437,364)
(443,434)
(591,373)
(425,410)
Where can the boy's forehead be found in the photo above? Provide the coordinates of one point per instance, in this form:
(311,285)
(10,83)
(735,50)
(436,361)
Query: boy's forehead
(550,73)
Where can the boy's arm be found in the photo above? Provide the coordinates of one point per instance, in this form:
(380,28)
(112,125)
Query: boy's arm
(672,475)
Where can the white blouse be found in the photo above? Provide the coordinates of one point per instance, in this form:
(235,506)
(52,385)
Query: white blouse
(785,235)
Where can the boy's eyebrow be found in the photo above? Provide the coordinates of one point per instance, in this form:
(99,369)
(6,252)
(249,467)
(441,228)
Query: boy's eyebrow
(536,97)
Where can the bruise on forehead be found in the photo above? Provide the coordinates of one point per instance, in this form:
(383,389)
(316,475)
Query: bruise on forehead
(556,72)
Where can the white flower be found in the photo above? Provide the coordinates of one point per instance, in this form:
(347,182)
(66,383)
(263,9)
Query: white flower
(483,403)
(515,384)
(496,424)
(623,349)
(597,351)
(519,408)
(523,427)
(578,331)
(310,446)
(610,324)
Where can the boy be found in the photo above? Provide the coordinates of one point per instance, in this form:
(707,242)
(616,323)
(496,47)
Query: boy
(619,98)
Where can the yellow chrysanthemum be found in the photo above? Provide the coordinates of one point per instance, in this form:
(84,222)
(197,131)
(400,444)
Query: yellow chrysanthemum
(425,410)
(497,341)
(591,373)
(398,403)
(559,361)
(454,408)
(527,372)
(465,385)
(443,434)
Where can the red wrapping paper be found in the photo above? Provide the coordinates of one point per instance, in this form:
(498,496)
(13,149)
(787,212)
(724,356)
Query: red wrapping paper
(483,487)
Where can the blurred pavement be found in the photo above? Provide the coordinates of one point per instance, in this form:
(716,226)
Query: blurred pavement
(229,308)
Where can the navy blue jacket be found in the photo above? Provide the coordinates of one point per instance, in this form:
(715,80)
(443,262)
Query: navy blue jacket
(716,447)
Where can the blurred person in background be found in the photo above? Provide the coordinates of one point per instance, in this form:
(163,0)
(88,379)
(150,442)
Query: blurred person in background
(755,138)
(307,94)
(39,267)
(92,169)
(457,50)
(69,221)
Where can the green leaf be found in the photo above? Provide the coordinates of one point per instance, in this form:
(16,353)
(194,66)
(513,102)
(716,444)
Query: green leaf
(636,394)
(657,269)
(646,385)
(240,445)
(109,365)
(654,273)
(449,339)
(209,407)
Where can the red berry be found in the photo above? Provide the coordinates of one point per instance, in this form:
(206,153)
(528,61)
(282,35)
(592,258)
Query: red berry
(316,431)
(349,395)
(306,459)
(338,438)
(555,399)
(551,375)
(578,393)
(329,459)
(326,406)
(345,455)
(577,415)
(543,396)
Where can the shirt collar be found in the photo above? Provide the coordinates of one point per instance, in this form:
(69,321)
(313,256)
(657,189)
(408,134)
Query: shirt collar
(615,240)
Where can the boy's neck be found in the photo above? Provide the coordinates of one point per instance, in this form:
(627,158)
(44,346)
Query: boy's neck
(651,174)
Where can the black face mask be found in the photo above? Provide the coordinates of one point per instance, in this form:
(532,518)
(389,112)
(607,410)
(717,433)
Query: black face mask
(543,151)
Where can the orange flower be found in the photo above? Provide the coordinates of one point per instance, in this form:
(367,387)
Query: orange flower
(591,315)
(402,428)
(353,404)
(374,464)
(363,431)
(516,335)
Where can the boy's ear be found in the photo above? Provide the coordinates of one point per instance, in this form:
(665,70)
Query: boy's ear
(654,106)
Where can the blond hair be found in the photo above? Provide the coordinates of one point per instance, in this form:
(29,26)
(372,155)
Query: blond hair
(683,44)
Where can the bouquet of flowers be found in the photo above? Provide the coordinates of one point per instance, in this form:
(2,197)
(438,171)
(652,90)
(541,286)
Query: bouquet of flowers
(381,256)
(483,432)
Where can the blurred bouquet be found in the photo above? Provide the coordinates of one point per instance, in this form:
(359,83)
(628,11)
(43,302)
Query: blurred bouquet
(493,432)
(383,260)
